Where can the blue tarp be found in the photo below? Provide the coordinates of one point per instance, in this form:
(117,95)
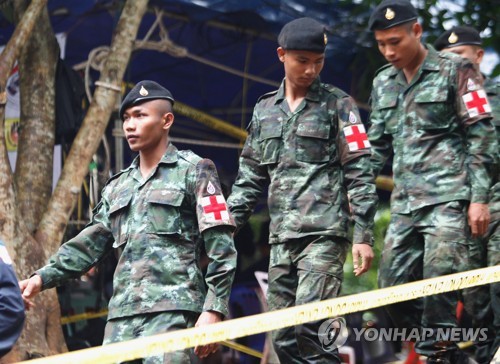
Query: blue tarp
(239,34)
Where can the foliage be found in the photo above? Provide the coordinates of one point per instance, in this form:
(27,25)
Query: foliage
(367,281)
(435,16)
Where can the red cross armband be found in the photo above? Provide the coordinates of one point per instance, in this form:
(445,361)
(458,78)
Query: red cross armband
(476,103)
(356,138)
(214,206)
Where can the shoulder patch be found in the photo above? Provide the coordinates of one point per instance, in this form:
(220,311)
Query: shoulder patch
(189,156)
(267,95)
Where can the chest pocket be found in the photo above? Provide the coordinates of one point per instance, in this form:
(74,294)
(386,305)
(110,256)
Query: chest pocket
(434,108)
(270,141)
(386,110)
(313,141)
(164,207)
(118,212)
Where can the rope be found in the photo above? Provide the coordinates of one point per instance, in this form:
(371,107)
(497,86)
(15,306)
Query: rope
(206,143)
(108,85)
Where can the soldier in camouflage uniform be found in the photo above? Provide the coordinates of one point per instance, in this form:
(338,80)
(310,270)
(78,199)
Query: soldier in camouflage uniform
(482,301)
(430,112)
(307,144)
(154,214)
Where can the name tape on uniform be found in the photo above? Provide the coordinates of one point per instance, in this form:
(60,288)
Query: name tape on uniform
(268,321)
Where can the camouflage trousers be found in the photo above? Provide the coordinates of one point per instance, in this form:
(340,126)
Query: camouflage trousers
(482,303)
(429,242)
(128,328)
(302,271)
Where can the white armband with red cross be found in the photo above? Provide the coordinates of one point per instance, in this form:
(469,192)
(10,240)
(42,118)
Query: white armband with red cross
(476,103)
(356,138)
(215,208)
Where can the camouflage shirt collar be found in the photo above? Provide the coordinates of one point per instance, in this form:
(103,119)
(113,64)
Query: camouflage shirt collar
(170,156)
(431,62)
(312,93)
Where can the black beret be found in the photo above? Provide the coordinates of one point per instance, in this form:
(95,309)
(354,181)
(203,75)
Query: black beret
(457,36)
(390,13)
(303,34)
(144,91)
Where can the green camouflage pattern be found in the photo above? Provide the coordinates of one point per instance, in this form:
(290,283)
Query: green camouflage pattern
(483,302)
(304,160)
(493,236)
(493,259)
(157,226)
(441,153)
(492,89)
(302,271)
(428,242)
(125,329)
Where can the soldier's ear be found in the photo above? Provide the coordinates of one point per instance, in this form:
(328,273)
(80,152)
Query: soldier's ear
(168,120)
(479,55)
(417,30)
(281,54)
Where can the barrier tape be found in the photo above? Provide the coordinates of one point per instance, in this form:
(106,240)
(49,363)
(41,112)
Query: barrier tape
(268,321)
(92,315)
(83,316)
(242,348)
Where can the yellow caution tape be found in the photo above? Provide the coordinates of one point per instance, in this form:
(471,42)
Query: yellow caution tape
(242,348)
(83,316)
(210,121)
(91,315)
(268,321)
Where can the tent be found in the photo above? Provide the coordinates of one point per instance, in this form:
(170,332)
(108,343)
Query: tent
(216,56)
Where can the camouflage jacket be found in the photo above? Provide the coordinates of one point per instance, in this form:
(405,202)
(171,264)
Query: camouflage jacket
(438,129)
(309,159)
(492,89)
(157,226)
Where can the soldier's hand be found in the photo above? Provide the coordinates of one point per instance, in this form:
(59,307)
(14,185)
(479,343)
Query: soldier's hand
(207,318)
(29,289)
(479,218)
(364,253)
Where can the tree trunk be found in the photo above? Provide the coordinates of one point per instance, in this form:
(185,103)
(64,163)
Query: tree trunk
(32,227)
(94,125)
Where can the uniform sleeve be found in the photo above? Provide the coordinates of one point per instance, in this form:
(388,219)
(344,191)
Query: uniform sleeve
(251,180)
(221,253)
(81,253)
(481,144)
(11,304)
(354,150)
(212,208)
(216,225)
(381,143)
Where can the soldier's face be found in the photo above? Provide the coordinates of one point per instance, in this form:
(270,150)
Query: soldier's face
(301,67)
(400,45)
(146,125)
(473,53)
